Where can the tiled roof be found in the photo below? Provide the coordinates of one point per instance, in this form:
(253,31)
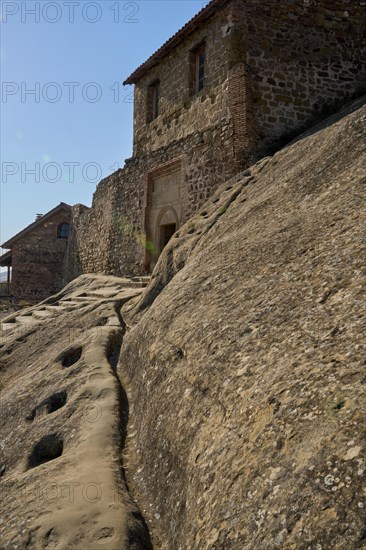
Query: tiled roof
(185,31)
(61,206)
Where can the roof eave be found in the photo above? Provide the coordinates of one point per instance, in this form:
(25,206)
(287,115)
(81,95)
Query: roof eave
(5,259)
(204,14)
(30,227)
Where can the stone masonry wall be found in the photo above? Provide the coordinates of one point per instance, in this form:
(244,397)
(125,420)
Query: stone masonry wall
(307,57)
(109,238)
(195,129)
(89,241)
(37,268)
(288,62)
(272,69)
(205,160)
(78,241)
(181,112)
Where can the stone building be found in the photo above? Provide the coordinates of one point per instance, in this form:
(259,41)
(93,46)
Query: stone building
(36,255)
(236,82)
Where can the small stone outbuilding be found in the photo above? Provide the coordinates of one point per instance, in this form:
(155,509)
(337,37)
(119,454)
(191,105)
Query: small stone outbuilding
(36,255)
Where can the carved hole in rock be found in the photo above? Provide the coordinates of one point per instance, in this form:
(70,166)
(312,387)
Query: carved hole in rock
(215,201)
(22,338)
(71,356)
(178,352)
(338,406)
(51,537)
(48,448)
(102,322)
(56,401)
(104,533)
(31,416)
(138,536)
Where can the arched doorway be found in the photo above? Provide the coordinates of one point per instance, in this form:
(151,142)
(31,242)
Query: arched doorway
(167,223)
(166,226)
(163,210)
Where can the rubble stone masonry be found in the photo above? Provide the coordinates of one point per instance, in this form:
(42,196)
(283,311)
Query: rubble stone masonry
(37,260)
(272,69)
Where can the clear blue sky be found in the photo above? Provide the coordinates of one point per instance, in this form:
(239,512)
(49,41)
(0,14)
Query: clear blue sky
(95,135)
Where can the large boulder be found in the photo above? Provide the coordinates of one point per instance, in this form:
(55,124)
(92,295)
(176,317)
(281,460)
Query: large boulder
(246,364)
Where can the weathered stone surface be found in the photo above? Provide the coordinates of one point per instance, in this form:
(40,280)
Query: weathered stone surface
(241,377)
(245,369)
(63,424)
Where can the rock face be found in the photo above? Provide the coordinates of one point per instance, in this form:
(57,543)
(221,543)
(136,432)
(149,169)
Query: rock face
(235,418)
(246,368)
(63,424)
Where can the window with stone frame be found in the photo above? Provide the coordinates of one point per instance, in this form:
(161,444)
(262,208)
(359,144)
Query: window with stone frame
(153,97)
(197,68)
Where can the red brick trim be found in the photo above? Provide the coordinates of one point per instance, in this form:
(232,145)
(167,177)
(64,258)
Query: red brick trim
(245,128)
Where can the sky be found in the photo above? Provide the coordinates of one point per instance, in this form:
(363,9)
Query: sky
(66,118)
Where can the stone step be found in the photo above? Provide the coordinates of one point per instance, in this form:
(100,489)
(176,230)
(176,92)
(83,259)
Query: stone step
(135,284)
(113,322)
(54,308)
(68,303)
(7,326)
(42,314)
(25,319)
(85,299)
(102,296)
